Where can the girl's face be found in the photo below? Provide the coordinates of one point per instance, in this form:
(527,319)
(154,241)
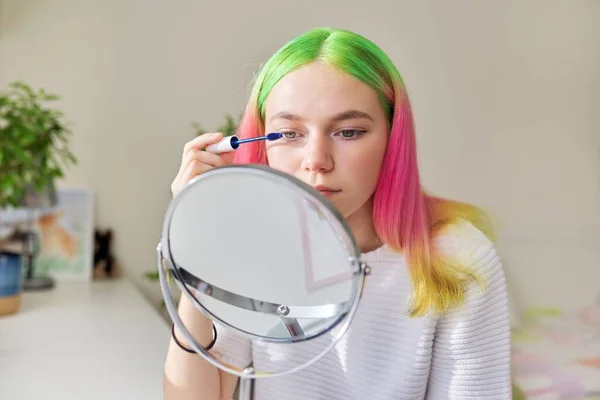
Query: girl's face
(335,135)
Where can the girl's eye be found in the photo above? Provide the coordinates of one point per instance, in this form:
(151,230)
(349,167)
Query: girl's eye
(346,134)
(351,133)
(289,135)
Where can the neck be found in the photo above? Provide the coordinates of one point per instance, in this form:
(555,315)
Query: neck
(363,229)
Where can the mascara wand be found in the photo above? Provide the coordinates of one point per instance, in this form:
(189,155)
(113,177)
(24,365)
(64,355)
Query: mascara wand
(232,143)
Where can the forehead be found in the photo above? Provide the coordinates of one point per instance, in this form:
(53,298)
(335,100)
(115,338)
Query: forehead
(317,90)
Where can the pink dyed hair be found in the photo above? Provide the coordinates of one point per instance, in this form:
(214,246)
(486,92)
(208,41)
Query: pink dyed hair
(405,217)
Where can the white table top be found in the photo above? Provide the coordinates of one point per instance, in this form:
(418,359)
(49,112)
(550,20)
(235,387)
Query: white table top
(95,340)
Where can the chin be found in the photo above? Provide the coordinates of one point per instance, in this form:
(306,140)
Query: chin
(341,208)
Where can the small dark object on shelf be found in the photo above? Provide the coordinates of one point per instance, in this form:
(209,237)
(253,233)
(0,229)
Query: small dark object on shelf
(103,257)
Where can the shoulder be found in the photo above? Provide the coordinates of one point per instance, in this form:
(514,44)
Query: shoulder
(462,237)
(464,244)
(471,349)
(486,294)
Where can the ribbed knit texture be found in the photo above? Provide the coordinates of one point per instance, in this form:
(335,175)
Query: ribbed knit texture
(463,354)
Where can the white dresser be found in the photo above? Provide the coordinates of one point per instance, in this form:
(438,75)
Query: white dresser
(92,341)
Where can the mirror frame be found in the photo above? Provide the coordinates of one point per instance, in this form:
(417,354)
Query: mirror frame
(167,265)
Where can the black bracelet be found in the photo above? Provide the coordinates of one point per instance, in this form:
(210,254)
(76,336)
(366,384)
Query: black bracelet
(182,347)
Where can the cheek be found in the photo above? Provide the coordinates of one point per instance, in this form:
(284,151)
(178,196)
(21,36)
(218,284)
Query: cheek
(364,164)
(281,158)
(366,171)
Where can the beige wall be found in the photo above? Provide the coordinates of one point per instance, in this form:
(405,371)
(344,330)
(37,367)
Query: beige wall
(506,96)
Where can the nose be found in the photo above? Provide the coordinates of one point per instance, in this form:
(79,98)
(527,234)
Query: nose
(317,154)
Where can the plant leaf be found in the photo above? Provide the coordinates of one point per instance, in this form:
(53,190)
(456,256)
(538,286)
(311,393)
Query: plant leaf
(153,276)
(34,145)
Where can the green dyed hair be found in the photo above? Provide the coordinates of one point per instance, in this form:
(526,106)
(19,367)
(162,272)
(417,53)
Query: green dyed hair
(405,217)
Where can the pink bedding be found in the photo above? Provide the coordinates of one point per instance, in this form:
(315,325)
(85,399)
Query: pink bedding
(556,354)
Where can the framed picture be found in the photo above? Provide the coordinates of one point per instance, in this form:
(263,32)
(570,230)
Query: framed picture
(66,236)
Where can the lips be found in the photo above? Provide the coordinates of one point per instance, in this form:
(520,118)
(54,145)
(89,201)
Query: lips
(325,190)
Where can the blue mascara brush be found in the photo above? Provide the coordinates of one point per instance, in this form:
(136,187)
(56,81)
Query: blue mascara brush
(232,143)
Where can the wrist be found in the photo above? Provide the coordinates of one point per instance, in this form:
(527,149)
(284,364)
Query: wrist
(185,347)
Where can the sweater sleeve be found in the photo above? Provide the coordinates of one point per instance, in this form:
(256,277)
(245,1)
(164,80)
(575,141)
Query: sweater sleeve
(232,347)
(471,350)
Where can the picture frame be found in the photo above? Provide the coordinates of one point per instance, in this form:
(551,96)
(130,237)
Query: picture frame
(66,236)
(63,245)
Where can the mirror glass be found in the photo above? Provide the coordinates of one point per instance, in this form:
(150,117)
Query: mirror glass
(262,253)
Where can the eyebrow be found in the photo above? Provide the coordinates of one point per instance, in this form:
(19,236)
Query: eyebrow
(344,115)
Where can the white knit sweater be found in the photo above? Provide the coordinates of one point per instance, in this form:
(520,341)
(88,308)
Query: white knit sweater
(464,354)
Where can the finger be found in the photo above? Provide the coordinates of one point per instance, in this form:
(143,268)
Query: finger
(228,157)
(186,174)
(194,169)
(205,157)
(200,142)
(195,162)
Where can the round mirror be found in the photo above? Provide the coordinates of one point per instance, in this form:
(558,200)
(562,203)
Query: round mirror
(264,255)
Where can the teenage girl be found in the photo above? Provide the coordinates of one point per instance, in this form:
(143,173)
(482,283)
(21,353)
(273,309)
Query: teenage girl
(348,129)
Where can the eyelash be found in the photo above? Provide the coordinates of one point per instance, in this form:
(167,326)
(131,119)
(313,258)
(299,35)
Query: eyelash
(358,134)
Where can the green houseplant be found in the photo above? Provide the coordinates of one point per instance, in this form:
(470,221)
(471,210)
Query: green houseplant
(34,152)
(34,144)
